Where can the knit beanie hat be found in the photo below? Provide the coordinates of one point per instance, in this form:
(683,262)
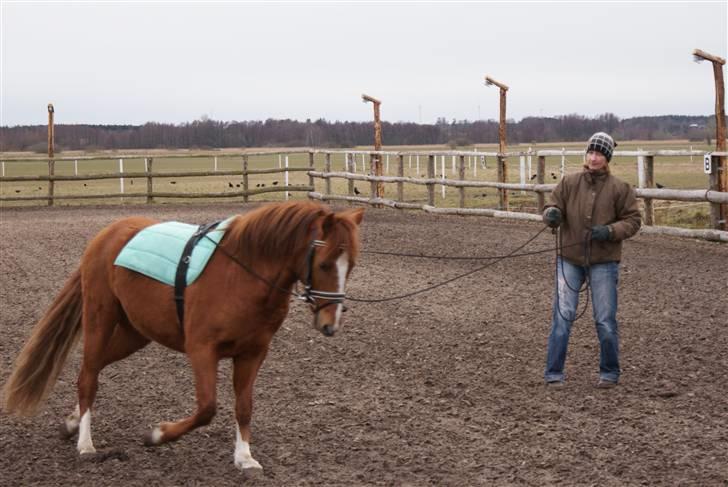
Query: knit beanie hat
(603,143)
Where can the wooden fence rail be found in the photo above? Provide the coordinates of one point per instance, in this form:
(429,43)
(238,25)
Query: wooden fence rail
(231,194)
(129,175)
(646,191)
(150,194)
(657,194)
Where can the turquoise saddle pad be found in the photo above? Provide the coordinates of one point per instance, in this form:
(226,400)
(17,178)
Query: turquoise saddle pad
(155,251)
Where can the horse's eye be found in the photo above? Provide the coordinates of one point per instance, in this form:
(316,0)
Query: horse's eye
(326,266)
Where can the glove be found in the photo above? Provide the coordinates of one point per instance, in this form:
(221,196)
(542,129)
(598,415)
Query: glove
(552,217)
(600,232)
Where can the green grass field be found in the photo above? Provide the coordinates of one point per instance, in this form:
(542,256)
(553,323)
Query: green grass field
(678,172)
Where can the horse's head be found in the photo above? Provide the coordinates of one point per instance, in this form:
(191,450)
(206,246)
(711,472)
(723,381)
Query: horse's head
(330,259)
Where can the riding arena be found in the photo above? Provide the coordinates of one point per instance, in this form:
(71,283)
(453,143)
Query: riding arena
(441,387)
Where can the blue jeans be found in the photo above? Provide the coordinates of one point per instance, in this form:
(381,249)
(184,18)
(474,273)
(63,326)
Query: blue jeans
(604,279)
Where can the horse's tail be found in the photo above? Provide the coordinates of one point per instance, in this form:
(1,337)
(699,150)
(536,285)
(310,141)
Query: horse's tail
(42,358)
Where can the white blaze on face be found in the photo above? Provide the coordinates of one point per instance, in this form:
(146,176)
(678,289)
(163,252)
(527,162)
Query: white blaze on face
(342,267)
(85,445)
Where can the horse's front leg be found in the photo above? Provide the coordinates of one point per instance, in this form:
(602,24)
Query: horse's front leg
(245,370)
(204,365)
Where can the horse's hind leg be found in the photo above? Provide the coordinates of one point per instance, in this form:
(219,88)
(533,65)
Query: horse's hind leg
(124,341)
(102,314)
(204,365)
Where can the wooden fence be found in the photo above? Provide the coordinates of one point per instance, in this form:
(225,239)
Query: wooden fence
(149,175)
(645,191)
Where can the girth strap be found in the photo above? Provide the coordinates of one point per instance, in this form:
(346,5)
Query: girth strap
(180,279)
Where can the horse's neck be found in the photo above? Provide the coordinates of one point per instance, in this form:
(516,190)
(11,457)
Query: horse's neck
(281,272)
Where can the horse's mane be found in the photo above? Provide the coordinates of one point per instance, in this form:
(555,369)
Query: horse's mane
(281,230)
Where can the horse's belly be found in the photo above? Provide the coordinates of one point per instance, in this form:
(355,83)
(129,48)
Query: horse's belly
(149,306)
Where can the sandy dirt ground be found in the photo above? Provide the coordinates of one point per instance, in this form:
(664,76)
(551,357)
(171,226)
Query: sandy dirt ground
(443,388)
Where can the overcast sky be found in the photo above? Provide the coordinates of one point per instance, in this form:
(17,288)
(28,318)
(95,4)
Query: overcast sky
(110,63)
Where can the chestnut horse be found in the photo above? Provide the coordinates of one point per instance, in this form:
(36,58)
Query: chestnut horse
(232,311)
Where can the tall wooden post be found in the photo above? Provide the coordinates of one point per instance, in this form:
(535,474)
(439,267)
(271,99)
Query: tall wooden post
(327,169)
(376,161)
(311,162)
(373,185)
(148,169)
(649,183)
(502,160)
(245,178)
(51,154)
(540,173)
(349,168)
(720,130)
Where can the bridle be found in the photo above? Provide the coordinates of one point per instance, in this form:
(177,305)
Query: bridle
(309,294)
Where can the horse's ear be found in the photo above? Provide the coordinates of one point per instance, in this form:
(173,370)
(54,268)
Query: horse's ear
(355,215)
(328,223)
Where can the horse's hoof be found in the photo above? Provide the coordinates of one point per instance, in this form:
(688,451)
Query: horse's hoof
(86,451)
(252,473)
(249,466)
(153,437)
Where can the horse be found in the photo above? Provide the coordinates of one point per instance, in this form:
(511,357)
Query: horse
(231,311)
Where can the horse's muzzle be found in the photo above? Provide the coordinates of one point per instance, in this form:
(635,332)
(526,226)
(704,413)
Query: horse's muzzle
(328,330)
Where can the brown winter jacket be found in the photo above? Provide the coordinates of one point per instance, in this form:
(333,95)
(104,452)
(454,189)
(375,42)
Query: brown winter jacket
(587,199)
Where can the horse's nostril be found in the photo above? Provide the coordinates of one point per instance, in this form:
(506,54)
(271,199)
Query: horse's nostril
(328,330)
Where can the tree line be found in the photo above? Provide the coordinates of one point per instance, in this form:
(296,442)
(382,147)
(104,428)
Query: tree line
(207,134)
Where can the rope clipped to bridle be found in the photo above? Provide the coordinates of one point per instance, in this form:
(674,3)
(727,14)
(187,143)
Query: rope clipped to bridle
(310,295)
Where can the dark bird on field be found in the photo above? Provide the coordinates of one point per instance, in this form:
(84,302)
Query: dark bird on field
(39,188)
(553,176)
(237,185)
(275,183)
(484,195)
(257,185)
(84,185)
(659,185)
(230,185)
(262,185)
(533,177)
(356,190)
(173,182)
(17,191)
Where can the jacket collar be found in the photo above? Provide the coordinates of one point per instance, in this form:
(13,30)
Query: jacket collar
(593,177)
